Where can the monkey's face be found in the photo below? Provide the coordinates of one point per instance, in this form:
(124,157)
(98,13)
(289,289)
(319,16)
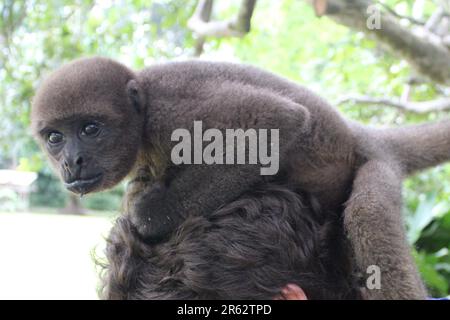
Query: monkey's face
(90,154)
(86,116)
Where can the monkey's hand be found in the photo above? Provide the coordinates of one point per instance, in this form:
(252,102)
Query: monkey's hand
(151,213)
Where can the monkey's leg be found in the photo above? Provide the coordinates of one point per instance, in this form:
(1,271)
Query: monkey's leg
(373,222)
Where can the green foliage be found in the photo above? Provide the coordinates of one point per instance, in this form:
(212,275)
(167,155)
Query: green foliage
(110,200)
(36,36)
(435,270)
(48,191)
(427,211)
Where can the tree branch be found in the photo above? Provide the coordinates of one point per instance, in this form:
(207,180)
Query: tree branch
(203,12)
(430,58)
(232,28)
(440,104)
(434,20)
(395,13)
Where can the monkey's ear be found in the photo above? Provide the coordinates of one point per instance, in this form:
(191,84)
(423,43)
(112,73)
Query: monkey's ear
(134,95)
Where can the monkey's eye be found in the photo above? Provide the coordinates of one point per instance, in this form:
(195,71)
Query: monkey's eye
(55,137)
(91,129)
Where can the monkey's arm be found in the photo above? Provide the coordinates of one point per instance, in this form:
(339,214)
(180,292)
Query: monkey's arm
(374,226)
(140,183)
(200,189)
(158,209)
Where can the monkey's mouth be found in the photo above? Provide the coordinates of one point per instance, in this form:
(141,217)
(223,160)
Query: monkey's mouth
(83,186)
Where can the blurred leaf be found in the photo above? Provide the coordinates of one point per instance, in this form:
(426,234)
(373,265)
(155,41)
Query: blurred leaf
(425,213)
(436,282)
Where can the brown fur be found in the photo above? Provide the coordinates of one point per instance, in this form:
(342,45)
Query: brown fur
(330,158)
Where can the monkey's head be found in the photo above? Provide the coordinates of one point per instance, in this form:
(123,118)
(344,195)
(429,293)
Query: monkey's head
(89,117)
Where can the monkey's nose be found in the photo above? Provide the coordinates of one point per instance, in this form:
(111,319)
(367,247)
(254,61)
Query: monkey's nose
(74,165)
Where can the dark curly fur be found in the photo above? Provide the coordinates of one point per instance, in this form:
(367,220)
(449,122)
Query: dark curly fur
(249,249)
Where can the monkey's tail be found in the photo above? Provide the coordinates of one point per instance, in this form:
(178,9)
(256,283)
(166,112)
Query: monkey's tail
(420,146)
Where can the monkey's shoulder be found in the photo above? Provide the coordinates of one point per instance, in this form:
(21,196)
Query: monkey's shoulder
(184,91)
(196,79)
(193,75)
